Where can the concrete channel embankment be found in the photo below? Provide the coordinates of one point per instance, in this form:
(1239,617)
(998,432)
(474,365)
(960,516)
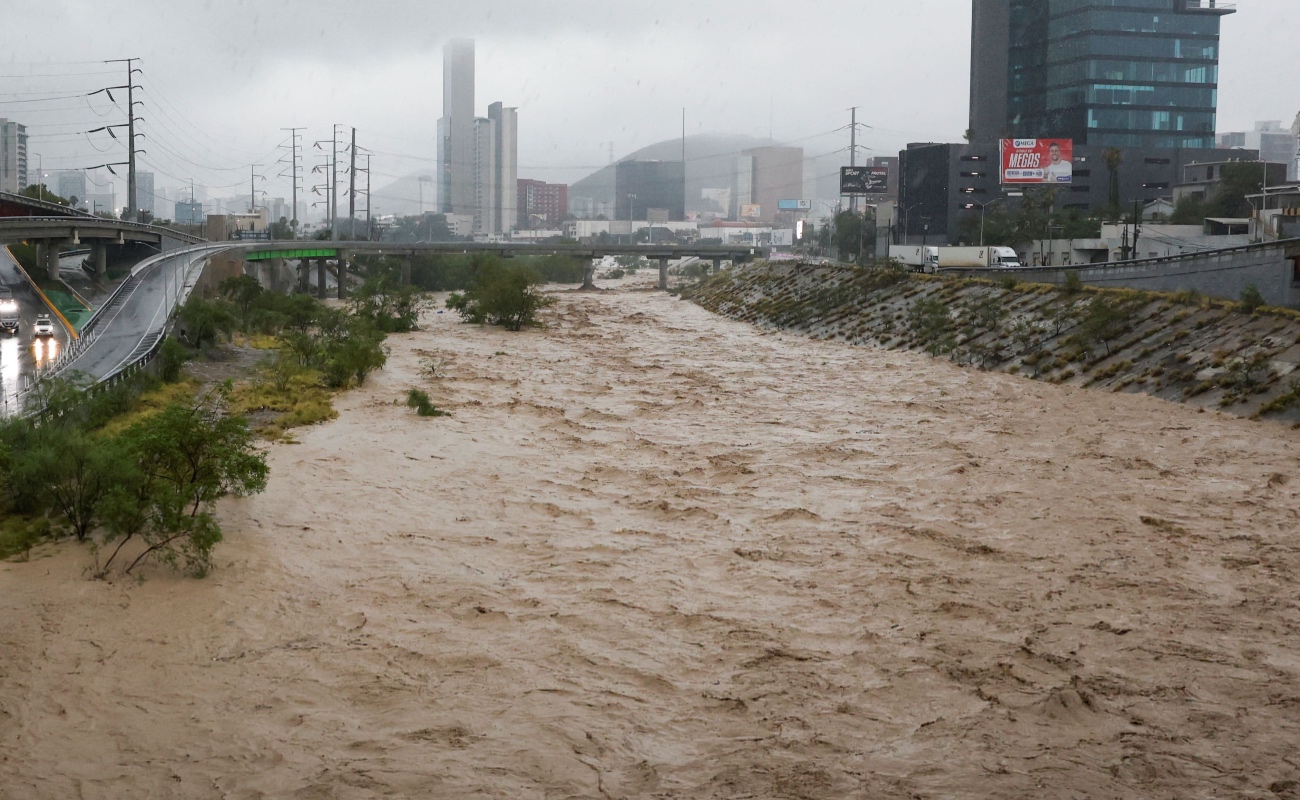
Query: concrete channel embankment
(1181,347)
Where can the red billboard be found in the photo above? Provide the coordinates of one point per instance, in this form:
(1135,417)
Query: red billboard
(1037,161)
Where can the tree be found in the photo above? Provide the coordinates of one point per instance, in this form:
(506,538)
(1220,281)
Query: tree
(1113,158)
(501,295)
(244,291)
(280,229)
(39,191)
(189,456)
(854,233)
(1190,210)
(391,307)
(1104,320)
(78,472)
(1236,180)
(203,320)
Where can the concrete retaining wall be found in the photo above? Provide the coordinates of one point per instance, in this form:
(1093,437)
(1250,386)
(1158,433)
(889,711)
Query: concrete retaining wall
(1273,268)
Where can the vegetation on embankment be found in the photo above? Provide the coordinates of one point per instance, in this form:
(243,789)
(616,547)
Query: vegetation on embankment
(1240,357)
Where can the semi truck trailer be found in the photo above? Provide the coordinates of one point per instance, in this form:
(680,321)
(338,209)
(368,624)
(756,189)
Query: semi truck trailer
(919,258)
(978,258)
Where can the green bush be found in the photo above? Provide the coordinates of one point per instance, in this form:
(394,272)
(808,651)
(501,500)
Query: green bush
(419,401)
(1251,299)
(203,321)
(171,359)
(1073,283)
(501,295)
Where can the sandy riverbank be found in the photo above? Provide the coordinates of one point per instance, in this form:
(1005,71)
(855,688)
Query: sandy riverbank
(658,553)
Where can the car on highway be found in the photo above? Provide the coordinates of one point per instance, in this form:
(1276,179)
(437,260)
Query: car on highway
(8,310)
(44,326)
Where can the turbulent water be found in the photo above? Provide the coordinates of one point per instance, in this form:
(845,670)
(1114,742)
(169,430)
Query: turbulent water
(658,553)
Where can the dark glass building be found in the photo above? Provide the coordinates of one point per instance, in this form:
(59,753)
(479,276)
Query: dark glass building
(1110,73)
(642,185)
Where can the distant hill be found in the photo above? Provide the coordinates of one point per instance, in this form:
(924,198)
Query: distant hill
(708,166)
(402,196)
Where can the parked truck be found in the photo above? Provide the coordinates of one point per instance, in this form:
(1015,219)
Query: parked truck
(917,257)
(978,258)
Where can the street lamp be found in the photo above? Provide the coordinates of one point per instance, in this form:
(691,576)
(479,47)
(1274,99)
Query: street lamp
(906,218)
(982,207)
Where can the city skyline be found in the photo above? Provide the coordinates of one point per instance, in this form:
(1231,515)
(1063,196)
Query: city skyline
(641,69)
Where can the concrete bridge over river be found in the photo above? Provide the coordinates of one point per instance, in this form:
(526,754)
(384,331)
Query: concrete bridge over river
(273,255)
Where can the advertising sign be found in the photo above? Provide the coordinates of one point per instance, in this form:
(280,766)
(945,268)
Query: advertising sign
(751,211)
(794,205)
(1032,161)
(864,180)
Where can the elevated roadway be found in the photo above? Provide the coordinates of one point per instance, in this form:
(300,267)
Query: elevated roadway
(53,227)
(342,252)
(133,321)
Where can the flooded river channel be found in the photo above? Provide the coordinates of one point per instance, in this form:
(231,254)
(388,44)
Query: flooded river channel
(657,553)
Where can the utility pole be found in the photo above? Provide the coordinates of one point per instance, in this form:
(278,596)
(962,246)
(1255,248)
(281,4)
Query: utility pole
(252,187)
(368,195)
(1137,227)
(853,151)
(131,206)
(352,190)
(334,181)
(326,168)
(293,167)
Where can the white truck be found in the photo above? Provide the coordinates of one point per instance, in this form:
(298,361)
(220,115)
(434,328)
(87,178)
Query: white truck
(915,256)
(978,258)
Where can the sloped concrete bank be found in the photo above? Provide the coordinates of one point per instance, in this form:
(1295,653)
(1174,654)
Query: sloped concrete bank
(1180,347)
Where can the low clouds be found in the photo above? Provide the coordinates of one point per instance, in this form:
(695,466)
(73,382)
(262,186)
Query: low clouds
(582,72)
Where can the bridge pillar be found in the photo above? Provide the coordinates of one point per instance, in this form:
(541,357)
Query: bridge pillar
(663,272)
(342,273)
(588,273)
(406,269)
(717,265)
(278,281)
(320,279)
(101,259)
(52,259)
(304,275)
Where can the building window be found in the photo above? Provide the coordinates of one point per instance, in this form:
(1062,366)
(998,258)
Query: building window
(974,174)
(1156,185)
(1077,188)
(973,158)
(1082,173)
(1150,160)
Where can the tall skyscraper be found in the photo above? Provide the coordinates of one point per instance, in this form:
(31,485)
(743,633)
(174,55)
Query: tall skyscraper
(13,156)
(505,167)
(144,197)
(778,175)
(72,183)
(485,197)
(1142,74)
(456,137)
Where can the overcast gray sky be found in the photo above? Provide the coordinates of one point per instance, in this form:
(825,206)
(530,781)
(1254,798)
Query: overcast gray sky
(222,77)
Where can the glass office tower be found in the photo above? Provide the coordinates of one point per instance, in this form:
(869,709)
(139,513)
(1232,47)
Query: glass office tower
(1122,73)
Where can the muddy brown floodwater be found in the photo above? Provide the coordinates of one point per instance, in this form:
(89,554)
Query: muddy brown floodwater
(657,553)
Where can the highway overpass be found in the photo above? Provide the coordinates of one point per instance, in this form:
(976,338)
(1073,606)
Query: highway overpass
(53,227)
(306,252)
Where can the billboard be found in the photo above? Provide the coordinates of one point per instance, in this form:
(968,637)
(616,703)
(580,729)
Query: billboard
(794,205)
(751,211)
(1034,161)
(864,180)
